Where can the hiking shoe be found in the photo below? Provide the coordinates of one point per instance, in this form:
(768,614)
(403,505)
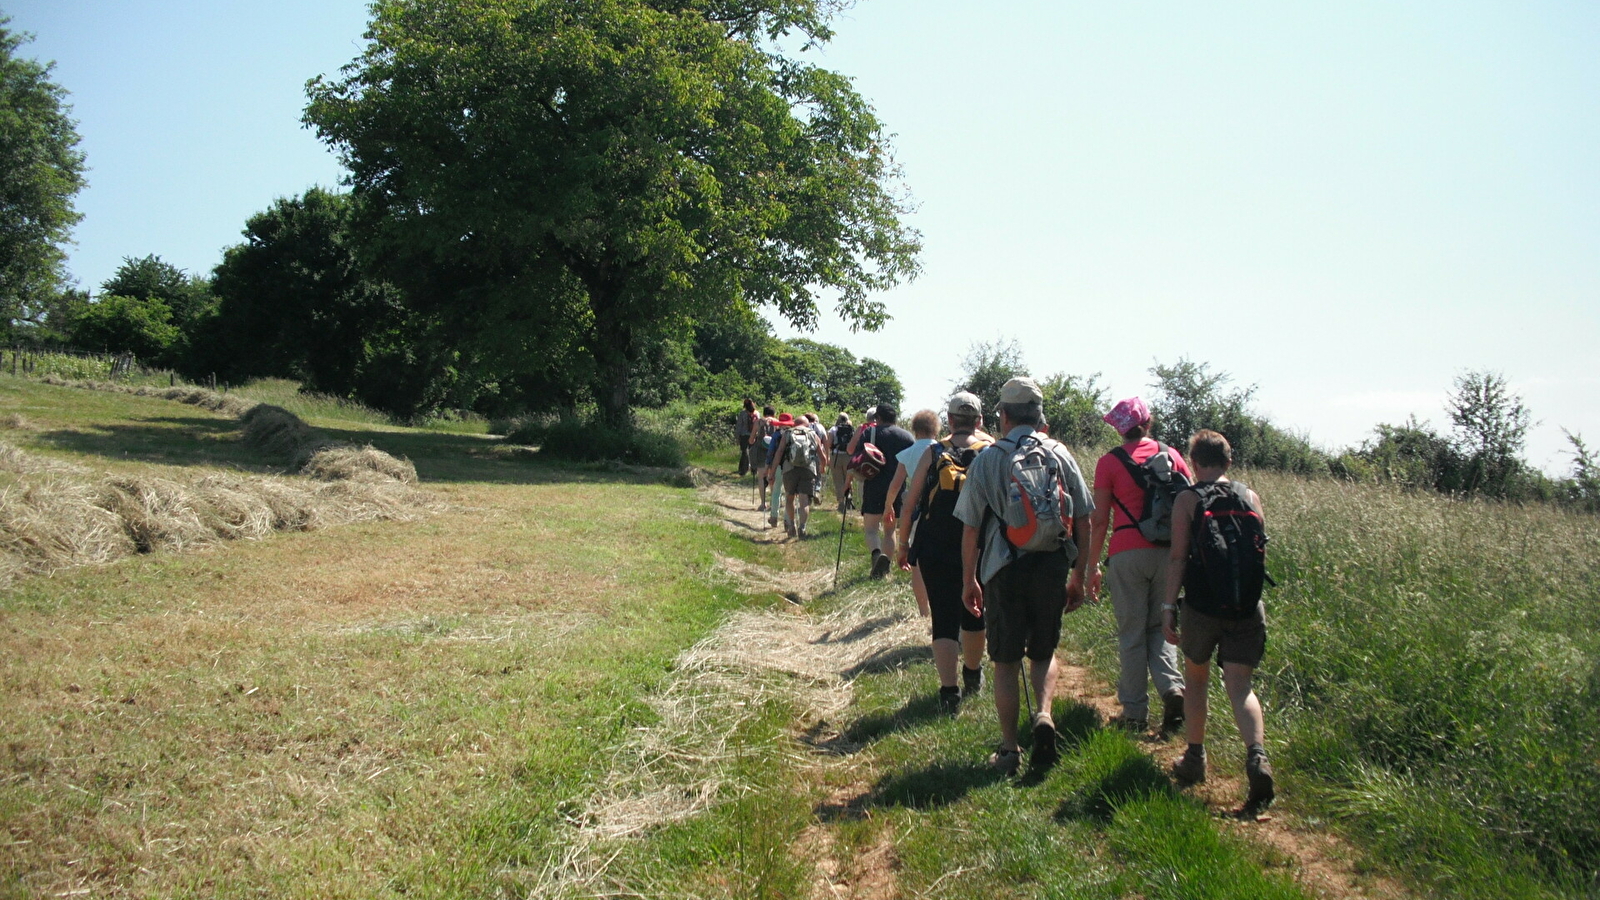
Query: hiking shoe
(971,681)
(950,700)
(1258,771)
(1190,768)
(881,565)
(1044,753)
(1128,724)
(1005,761)
(803,532)
(788,528)
(1172,712)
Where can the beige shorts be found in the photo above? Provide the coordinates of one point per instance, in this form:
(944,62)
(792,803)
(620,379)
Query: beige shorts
(800,481)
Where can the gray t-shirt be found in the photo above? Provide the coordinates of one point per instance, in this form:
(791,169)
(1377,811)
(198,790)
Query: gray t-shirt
(987,485)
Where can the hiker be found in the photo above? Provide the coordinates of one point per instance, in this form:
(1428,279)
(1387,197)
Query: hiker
(890,439)
(744,434)
(798,454)
(761,444)
(1134,487)
(935,550)
(838,448)
(1218,559)
(925,431)
(774,490)
(1030,568)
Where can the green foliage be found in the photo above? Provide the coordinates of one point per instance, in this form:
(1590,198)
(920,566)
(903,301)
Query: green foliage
(41,170)
(127,325)
(597,174)
(1189,397)
(1491,425)
(1582,489)
(188,297)
(1074,405)
(986,368)
(592,440)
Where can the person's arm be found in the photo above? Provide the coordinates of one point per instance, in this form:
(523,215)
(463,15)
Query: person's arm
(971,591)
(903,532)
(777,454)
(1099,521)
(1178,559)
(895,484)
(1080,536)
(855,440)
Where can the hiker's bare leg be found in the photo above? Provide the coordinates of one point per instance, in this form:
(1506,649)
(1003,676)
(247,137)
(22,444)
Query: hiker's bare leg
(1007,700)
(1246,706)
(872,527)
(804,502)
(946,657)
(921,591)
(788,508)
(972,648)
(1044,684)
(1196,679)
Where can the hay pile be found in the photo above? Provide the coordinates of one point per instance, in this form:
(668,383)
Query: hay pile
(367,464)
(54,516)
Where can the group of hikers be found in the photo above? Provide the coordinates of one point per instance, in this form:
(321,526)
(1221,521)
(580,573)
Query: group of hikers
(1002,536)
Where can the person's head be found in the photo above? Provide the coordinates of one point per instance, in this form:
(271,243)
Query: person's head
(966,412)
(749,405)
(811,418)
(887,414)
(925,424)
(843,420)
(1210,450)
(786,421)
(768,412)
(1021,403)
(1131,419)
(870,417)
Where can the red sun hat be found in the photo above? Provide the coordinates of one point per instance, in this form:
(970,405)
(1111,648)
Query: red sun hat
(785,421)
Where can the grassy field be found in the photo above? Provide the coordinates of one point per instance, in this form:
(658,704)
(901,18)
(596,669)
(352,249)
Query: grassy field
(582,681)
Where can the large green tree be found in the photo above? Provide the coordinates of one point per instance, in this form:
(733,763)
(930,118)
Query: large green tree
(41,170)
(607,172)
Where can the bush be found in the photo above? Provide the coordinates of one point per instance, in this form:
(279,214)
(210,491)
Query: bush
(591,441)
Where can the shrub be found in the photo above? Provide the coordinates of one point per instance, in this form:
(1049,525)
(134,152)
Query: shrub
(590,440)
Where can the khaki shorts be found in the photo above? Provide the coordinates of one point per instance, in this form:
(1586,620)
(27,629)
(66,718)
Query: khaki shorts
(800,481)
(1239,641)
(1022,607)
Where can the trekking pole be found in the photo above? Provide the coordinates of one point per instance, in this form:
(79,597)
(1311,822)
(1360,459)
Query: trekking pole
(1027,694)
(839,556)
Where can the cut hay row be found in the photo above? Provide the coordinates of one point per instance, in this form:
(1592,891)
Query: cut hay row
(688,761)
(53,518)
(277,431)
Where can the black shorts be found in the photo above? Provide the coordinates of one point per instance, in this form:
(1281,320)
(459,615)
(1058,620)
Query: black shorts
(1239,641)
(875,497)
(1022,607)
(942,577)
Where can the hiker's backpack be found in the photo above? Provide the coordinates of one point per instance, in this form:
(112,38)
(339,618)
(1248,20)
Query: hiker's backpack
(1227,563)
(868,460)
(841,437)
(937,524)
(1161,483)
(1037,512)
(802,451)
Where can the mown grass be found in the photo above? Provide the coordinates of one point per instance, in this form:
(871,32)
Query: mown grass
(363,711)
(1431,684)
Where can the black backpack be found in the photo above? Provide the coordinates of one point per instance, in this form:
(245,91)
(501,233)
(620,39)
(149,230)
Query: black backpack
(1227,565)
(1161,483)
(937,525)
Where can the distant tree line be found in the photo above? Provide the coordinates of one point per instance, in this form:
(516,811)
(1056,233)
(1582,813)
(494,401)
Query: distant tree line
(1480,455)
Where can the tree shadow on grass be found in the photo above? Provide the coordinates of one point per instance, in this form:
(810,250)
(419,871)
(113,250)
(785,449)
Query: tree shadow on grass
(167,440)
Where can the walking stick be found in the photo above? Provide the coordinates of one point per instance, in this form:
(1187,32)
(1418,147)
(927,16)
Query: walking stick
(838,557)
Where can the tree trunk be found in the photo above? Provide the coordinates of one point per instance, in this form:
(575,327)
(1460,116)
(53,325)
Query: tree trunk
(613,357)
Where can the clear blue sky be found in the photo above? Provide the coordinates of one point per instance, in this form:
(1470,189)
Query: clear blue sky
(1344,204)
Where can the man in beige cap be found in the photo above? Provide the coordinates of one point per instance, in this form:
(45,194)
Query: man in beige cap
(1025,511)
